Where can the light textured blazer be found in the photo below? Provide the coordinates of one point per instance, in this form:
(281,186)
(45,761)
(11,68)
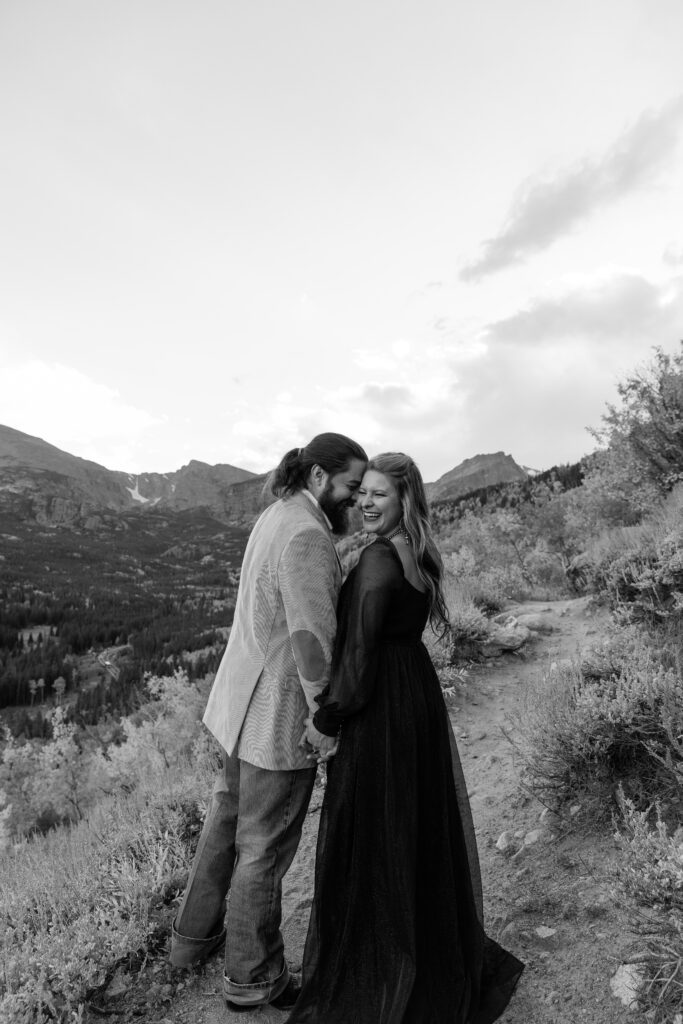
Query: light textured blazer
(290,582)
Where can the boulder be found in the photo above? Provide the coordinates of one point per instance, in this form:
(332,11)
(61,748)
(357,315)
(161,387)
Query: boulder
(503,637)
(536,621)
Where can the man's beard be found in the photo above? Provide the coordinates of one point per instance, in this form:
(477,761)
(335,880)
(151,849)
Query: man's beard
(336,512)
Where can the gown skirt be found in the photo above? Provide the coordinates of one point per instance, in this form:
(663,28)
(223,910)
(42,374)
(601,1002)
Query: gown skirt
(396,930)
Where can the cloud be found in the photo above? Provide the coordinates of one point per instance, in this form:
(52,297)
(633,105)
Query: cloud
(543,211)
(395,400)
(389,396)
(67,408)
(550,369)
(673,255)
(528,384)
(625,308)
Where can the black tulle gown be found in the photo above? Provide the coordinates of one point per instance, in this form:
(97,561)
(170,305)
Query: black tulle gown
(396,933)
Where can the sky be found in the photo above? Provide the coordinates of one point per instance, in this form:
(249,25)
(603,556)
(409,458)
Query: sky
(444,227)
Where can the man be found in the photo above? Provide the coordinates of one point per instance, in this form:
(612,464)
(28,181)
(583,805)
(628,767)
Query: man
(276,663)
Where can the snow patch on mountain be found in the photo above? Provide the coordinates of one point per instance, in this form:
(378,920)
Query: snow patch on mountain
(135,494)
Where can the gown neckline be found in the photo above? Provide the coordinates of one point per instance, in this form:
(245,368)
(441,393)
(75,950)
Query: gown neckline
(422,593)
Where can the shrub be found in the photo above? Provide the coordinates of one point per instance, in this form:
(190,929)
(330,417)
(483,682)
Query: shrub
(468,623)
(50,782)
(651,873)
(489,588)
(614,719)
(640,568)
(79,901)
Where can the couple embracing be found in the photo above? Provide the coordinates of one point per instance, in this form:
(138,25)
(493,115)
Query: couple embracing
(319,671)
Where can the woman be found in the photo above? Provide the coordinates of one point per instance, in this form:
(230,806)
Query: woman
(395,935)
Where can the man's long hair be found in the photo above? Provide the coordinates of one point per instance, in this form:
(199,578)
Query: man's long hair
(332,452)
(413,497)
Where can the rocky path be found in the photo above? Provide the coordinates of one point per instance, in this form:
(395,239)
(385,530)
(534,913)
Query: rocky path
(550,904)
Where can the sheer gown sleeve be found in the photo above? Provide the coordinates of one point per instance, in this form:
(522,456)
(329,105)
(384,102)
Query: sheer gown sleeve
(375,584)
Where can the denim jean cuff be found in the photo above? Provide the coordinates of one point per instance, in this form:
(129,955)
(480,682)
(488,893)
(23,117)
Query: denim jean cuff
(257,993)
(186,951)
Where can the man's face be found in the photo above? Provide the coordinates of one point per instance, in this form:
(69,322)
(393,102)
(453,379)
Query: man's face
(338,495)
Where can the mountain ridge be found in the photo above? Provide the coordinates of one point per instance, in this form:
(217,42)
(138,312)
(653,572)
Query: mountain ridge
(57,488)
(474,473)
(42,482)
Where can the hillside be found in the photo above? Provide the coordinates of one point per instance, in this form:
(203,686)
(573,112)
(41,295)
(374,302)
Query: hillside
(41,482)
(162,582)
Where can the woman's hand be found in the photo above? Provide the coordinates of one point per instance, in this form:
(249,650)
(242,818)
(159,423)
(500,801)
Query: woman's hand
(324,746)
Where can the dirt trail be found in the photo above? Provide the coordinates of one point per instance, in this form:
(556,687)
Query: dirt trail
(551,905)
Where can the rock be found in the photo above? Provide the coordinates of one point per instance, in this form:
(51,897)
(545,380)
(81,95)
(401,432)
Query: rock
(529,839)
(504,637)
(545,935)
(537,621)
(574,810)
(626,984)
(552,997)
(505,844)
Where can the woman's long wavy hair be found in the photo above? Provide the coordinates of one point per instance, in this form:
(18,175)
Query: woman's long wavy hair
(332,452)
(413,497)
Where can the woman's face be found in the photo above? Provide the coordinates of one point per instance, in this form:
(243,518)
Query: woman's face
(379,502)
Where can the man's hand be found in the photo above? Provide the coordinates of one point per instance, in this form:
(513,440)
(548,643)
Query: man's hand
(325,746)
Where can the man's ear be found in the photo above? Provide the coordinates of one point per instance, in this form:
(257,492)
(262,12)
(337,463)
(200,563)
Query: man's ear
(317,479)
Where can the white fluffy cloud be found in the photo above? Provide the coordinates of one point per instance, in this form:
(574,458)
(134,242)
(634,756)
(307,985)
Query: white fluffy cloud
(65,407)
(529,384)
(550,369)
(544,210)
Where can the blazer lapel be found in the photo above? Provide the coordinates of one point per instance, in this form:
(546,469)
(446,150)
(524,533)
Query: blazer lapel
(318,514)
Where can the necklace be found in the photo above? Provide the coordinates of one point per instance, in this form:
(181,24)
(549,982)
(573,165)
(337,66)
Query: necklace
(400,531)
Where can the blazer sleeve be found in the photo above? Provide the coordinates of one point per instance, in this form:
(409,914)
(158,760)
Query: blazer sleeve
(374,587)
(308,576)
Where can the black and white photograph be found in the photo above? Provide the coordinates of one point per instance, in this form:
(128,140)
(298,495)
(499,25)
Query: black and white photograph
(341,512)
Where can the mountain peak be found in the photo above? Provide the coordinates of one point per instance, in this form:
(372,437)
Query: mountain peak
(485,470)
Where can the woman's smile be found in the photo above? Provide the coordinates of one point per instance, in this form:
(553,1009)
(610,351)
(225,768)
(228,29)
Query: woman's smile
(379,503)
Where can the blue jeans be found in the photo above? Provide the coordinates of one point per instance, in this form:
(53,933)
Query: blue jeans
(247,844)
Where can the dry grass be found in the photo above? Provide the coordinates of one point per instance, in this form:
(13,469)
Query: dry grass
(81,900)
